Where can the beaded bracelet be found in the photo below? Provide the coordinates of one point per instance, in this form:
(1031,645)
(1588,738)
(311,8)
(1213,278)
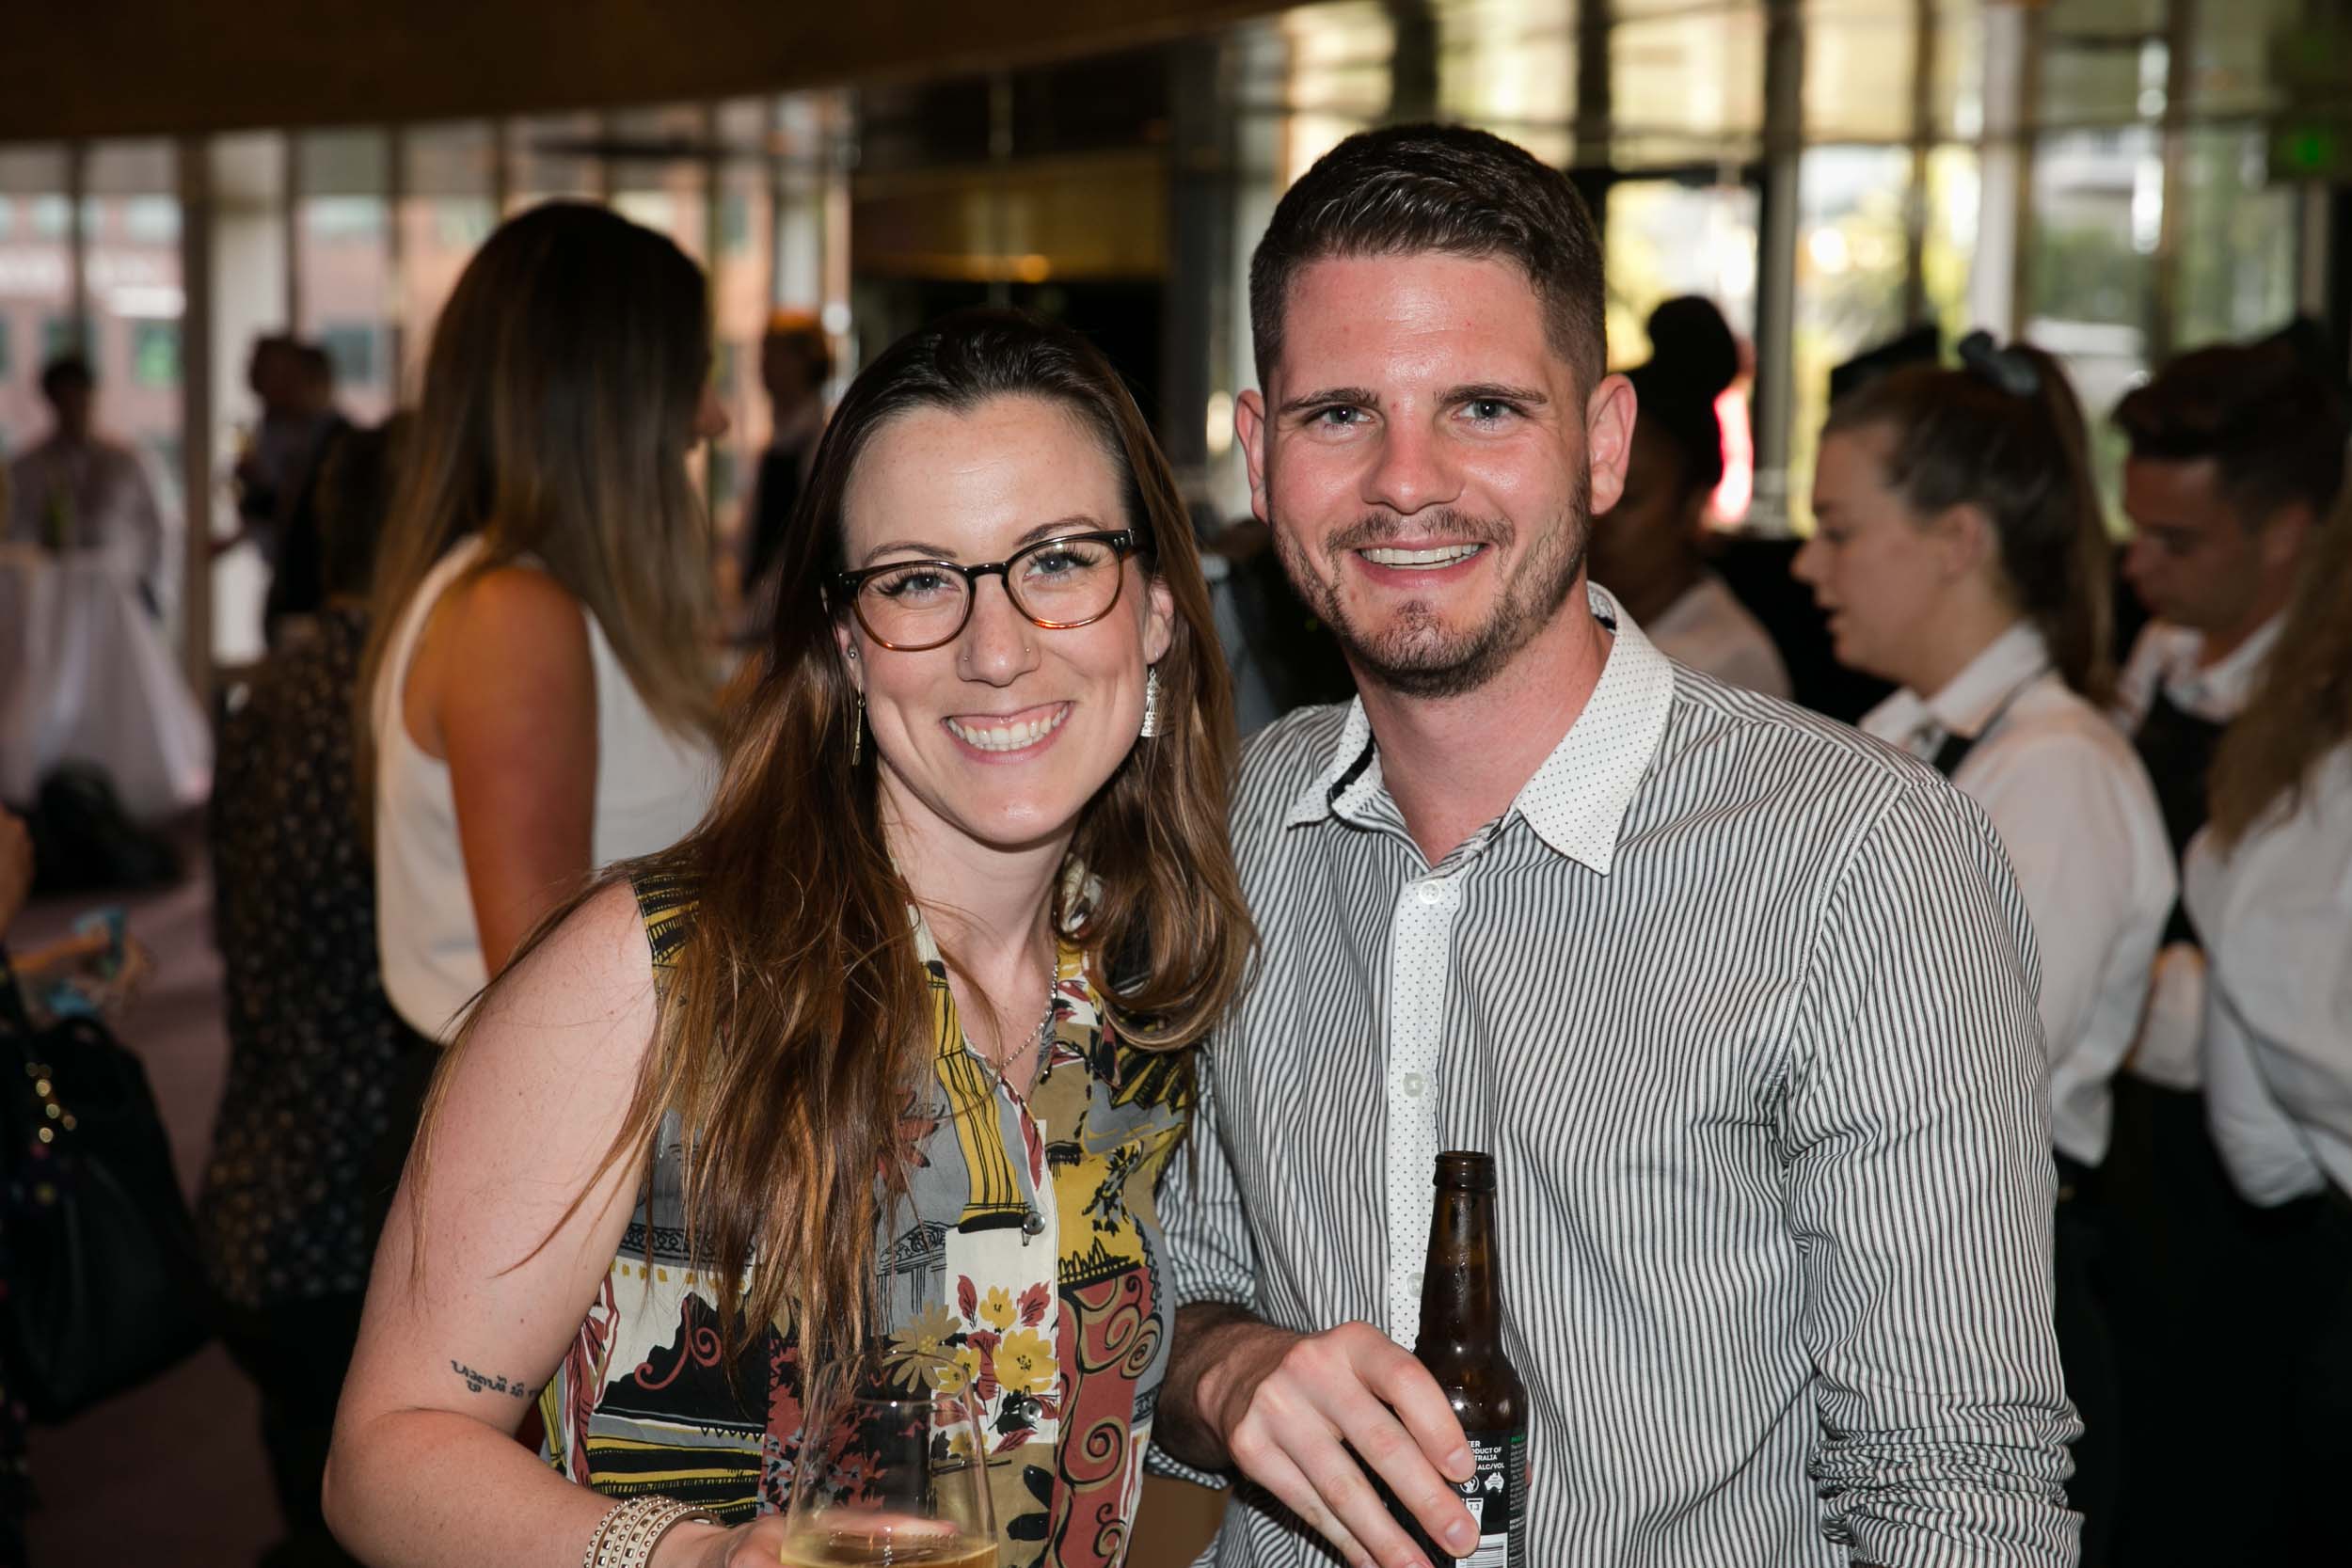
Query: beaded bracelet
(626,1534)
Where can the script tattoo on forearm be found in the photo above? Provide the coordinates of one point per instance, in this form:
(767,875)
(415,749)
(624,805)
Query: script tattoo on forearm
(483,1383)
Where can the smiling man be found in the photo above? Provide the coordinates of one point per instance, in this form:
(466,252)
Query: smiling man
(1741,1002)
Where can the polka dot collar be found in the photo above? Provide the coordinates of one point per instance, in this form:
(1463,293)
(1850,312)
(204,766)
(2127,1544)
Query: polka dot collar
(1576,801)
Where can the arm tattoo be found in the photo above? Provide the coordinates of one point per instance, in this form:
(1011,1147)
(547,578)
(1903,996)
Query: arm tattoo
(477,1382)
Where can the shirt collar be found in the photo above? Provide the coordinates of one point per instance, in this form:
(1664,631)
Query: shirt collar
(1576,801)
(2223,690)
(1970,699)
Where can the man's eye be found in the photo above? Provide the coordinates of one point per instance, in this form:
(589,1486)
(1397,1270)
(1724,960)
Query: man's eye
(1488,410)
(1338,415)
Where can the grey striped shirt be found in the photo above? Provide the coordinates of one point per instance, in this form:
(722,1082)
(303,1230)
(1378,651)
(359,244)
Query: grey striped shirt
(1744,1005)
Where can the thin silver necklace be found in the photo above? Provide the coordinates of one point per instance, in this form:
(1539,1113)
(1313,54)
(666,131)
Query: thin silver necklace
(1044,1029)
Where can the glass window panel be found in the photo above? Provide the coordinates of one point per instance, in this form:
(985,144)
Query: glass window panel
(35,285)
(2090,267)
(2237,275)
(1850,271)
(447,209)
(343,262)
(742,288)
(136,304)
(549,156)
(1686,86)
(250,271)
(1948,249)
(1859,57)
(1510,67)
(659,176)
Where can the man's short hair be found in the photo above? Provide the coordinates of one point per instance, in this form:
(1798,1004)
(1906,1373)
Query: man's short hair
(1405,189)
(316,364)
(66,370)
(2274,422)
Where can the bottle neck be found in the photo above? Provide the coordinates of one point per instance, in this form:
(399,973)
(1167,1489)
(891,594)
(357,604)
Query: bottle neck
(1461,1297)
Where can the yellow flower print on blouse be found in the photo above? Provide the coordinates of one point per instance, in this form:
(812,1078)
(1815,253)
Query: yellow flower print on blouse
(996,1309)
(1025,1363)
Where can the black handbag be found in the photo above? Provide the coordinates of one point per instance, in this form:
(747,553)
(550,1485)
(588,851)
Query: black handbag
(105,1288)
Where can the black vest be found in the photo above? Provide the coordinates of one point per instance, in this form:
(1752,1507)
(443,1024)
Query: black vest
(2178,751)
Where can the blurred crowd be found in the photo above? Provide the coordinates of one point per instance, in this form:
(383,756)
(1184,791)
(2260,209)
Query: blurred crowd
(499,664)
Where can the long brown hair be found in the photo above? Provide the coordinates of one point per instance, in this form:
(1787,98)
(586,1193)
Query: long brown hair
(2007,435)
(2303,707)
(557,414)
(797,1016)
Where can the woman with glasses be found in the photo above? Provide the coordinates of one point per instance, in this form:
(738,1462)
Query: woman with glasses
(890,1053)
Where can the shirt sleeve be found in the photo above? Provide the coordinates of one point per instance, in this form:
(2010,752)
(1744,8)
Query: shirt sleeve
(1920,1189)
(2065,815)
(1205,1232)
(2276,914)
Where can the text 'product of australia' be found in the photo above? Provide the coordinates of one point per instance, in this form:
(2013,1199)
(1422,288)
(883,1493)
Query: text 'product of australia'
(1461,1345)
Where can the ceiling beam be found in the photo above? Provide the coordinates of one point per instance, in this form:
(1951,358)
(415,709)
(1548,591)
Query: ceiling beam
(79,68)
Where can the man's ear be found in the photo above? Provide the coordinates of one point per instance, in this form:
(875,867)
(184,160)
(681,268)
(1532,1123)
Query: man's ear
(1249,427)
(2282,536)
(1609,415)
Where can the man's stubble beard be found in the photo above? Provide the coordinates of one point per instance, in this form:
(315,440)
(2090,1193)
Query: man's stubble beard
(1417,654)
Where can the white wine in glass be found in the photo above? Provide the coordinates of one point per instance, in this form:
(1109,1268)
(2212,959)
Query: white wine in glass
(890,1472)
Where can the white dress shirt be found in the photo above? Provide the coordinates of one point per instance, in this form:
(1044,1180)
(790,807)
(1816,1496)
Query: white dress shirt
(1712,631)
(2275,913)
(2166,657)
(2086,837)
(90,495)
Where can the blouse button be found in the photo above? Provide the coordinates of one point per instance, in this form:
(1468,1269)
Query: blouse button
(1032,1223)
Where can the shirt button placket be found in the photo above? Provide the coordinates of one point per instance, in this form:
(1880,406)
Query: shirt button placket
(1421,928)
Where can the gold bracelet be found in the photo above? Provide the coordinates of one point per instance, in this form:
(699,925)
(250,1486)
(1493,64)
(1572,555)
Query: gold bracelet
(628,1533)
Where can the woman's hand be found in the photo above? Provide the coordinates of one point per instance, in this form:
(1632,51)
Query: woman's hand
(758,1544)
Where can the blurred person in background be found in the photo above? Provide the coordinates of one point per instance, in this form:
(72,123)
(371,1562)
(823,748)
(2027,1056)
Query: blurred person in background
(1647,548)
(2268,888)
(296,584)
(1960,550)
(314,1046)
(811,1033)
(80,490)
(2237,453)
(539,678)
(795,362)
(538,686)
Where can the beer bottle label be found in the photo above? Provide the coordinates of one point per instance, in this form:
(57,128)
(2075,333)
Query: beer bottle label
(1496,1495)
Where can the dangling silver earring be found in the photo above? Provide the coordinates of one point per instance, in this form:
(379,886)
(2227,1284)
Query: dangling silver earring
(857,730)
(1151,701)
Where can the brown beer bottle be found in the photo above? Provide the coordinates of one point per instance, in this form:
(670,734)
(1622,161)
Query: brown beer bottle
(1461,1345)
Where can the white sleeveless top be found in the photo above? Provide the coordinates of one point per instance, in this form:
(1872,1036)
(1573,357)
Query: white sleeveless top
(651,788)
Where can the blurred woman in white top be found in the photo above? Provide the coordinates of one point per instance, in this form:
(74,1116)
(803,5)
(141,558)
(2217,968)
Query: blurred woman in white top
(538,686)
(2268,888)
(1960,551)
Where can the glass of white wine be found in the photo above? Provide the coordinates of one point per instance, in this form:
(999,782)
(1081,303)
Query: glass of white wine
(892,1470)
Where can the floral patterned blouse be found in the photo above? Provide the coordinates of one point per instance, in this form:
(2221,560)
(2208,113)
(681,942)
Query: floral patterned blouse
(1027,1251)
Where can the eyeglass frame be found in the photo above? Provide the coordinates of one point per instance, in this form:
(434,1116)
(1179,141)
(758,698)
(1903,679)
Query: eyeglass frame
(1124,542)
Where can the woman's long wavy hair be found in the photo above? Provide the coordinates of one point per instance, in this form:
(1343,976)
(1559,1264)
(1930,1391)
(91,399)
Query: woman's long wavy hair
(558,411)
(2303,708)
(797,1019)
(2023,458)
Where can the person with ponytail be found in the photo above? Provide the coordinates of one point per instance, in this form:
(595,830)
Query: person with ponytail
(2267,886)
(1645,549)
(890,1053)
(1960,551)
